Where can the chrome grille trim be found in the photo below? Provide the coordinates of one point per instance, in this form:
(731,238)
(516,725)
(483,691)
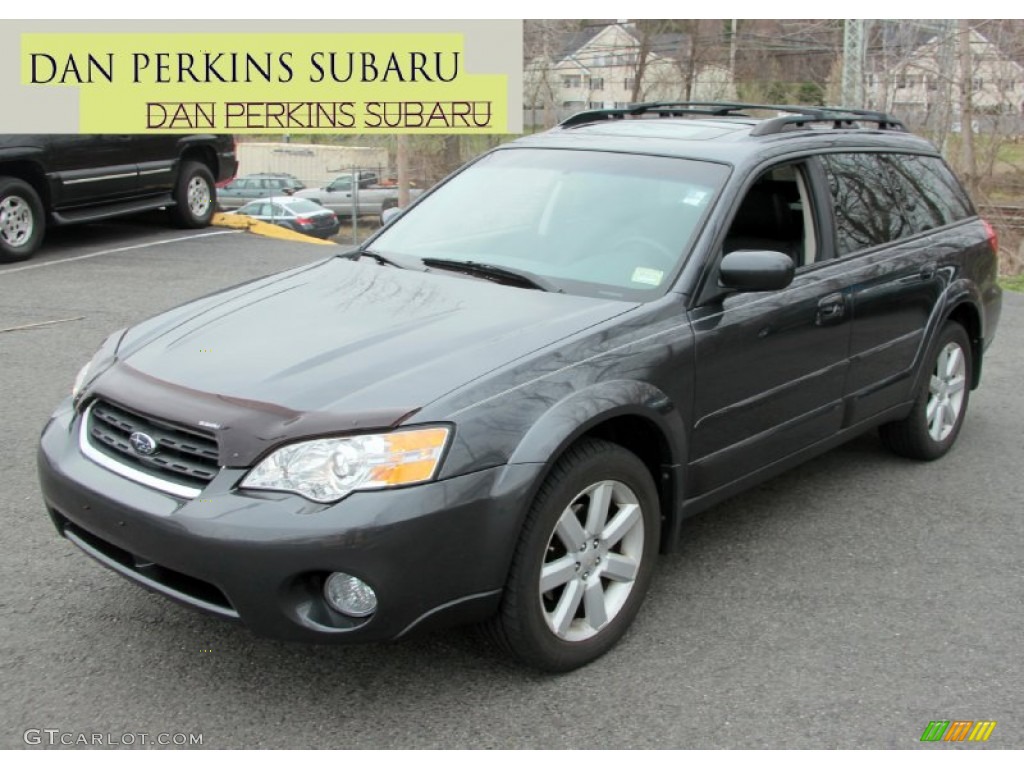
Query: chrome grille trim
(143,478)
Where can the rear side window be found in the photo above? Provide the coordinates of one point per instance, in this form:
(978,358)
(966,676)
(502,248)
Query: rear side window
(865,198)
(881,198)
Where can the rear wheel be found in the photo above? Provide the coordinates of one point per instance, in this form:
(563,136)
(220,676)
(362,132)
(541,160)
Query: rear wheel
(194,196)
(22,220)
(938,414)
(584,560)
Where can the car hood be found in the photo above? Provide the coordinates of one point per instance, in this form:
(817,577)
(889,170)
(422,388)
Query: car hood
(336,346)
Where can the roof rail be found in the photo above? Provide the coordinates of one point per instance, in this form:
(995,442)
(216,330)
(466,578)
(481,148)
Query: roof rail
(840,117)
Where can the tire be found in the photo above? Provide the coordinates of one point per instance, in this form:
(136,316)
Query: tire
(22,220)
(941,406)
(195,196)
(598,572)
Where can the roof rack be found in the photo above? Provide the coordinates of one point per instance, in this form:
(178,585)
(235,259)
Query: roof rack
(840,117)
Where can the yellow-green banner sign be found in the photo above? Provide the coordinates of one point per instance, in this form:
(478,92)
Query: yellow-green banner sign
(269,83)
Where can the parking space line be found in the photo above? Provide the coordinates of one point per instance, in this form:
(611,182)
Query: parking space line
(109,251)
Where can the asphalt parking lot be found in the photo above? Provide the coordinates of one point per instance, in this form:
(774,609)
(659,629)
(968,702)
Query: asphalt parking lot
(845,604)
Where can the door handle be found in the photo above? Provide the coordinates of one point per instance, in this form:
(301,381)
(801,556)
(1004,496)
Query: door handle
(927,272)
(831,309)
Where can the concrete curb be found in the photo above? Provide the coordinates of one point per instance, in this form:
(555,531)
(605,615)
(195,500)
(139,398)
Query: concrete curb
(264,229)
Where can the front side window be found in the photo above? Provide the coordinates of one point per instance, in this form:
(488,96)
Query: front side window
(776,214)
(594,223)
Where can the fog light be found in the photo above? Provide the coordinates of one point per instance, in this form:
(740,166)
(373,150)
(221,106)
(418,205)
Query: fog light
(349,595)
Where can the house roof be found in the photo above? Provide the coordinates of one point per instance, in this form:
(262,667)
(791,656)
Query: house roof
(929,48)
(662,43)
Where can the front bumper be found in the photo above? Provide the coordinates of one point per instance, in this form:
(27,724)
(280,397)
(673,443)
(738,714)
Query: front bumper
(435,554)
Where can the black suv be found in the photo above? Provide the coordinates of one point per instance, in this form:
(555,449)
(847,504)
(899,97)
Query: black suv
(69,179)
(502,406)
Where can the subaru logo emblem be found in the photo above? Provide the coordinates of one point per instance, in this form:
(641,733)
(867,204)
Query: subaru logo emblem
(142,443)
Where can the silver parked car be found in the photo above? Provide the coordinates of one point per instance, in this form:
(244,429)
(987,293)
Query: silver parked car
(255,186)
(303,216)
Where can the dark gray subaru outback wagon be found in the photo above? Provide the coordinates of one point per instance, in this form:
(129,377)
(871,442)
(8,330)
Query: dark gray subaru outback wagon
(501,407)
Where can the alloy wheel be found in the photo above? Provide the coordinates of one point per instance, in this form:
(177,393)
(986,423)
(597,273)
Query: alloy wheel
(946,391)
(592,560)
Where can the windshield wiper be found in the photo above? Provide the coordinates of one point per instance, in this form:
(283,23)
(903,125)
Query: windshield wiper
(493,272)
(379,258)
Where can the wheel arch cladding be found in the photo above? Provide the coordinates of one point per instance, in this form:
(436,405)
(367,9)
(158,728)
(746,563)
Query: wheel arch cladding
(201,154)
(30,173)
(967,315)
(635,415)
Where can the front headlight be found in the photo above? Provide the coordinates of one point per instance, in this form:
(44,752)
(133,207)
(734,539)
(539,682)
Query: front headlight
(329,469)
(102,360)
(80,380)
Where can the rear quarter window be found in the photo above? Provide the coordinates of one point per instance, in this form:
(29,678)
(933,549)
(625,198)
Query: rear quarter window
(932,196)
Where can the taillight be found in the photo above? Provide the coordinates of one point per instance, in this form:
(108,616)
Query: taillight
(303,222)
(993,237)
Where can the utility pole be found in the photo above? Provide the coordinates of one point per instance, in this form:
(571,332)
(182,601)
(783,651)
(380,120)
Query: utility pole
(732,50)
(854,49)
(402,161)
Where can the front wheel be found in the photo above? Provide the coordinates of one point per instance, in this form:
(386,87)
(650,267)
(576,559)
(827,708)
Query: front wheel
(194,196)
(938,414)
(22,220)
(584,560)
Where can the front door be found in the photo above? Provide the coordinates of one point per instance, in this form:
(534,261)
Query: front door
(771,366)
(88,170)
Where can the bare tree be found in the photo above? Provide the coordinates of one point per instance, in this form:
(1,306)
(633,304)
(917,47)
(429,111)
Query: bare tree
(543,43)
(970,168)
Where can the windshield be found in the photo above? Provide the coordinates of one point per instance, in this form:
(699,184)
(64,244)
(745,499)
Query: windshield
(595,223)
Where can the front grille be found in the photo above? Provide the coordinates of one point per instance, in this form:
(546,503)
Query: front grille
(185,456)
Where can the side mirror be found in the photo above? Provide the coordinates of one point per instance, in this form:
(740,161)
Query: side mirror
(389,214)
(749,271)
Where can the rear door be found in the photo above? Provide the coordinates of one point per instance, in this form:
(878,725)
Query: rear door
(890,212)
(157,158)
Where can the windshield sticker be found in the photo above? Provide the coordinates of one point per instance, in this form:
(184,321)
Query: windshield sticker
(647,276)
(695,197)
